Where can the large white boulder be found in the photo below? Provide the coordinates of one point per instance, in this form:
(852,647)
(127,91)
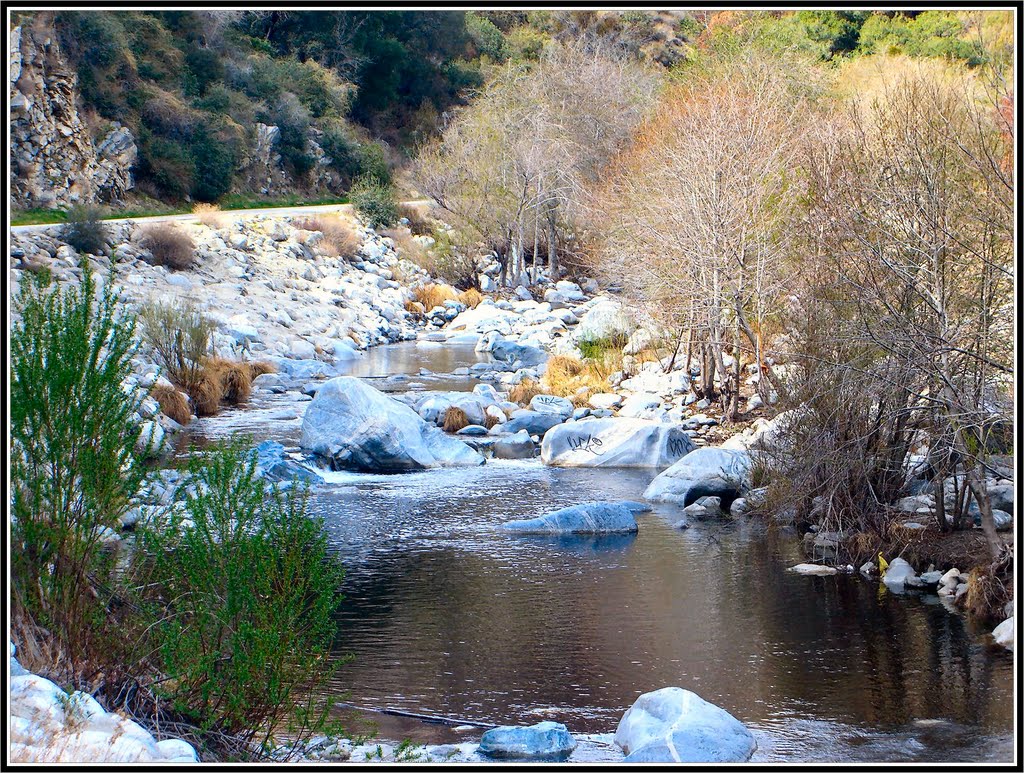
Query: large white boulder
(676,725)
(705,472)
(614,442)
(604,319)
(48,725)
(357,427)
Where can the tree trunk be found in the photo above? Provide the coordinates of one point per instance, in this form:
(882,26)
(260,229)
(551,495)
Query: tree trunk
(553,269)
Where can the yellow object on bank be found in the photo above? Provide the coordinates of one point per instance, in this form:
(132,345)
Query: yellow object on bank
(883,565)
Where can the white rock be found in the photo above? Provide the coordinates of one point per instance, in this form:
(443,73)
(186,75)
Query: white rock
(358,427)
(675,725)
(816,569)
(707,471)
(614,443)
(897,575)
(1003,634)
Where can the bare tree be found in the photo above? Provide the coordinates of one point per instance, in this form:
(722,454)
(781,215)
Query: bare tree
(699,213)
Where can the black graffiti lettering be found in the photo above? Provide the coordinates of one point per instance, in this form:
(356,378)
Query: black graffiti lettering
(676,446)
(587,443)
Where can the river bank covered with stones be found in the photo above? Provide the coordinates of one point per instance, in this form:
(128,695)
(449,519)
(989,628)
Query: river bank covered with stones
(327,419)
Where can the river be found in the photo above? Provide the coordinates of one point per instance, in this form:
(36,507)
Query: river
(446,614)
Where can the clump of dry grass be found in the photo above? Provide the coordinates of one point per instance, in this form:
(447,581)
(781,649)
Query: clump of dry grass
(169,245)
(525,391)
(431,295)
(207,394)
(455,419)
(235,378)
(987,592)
(420,223)
(173,403)
(210,215)
(407,247)
(576,379)
(340,237)
(260,367)
(490,421)
(470,297)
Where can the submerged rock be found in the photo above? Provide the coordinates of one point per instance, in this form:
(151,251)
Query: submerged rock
(615,443)
(813,569)
(545,740)
(589,518)
(271,463)
(676,725)
(705,472)
(359,428)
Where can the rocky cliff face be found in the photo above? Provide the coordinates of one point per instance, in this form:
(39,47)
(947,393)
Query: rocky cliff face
(54,160)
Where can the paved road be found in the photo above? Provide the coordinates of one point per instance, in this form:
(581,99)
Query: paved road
(188,216)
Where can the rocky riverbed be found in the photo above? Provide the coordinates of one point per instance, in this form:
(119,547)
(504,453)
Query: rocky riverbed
(327,420)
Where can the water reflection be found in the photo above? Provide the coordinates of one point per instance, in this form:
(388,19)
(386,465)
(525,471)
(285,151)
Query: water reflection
(447,614)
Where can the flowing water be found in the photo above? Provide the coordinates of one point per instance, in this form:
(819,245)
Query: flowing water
(446,614)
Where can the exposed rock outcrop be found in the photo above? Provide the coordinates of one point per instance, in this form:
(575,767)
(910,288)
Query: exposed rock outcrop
(54,160)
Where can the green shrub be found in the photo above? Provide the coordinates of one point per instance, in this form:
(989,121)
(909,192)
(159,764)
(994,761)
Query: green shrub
(375,203)
(84,230)
(486,37)
(75,461)
(213,163)
(246,598)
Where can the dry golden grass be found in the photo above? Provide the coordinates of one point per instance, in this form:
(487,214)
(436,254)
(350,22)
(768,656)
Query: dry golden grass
(340,237)
(455,419)
(173,403)
(470,297)
(578,379)
(490,421)
(420,223)
(210,216)
(415,307)
(235,378)
(986,593)
(432,295)
(260,367)
(407,247)
(207,394)
(525,391)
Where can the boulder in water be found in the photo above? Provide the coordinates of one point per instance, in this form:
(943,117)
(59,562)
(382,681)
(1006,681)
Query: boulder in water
(705,472)
(589,518)
(359,428)
(676,725)
(615,443)
(545,740)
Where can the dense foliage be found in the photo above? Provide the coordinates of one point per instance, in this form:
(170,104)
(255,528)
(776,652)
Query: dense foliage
(247,591)
(193,85)
(76,455)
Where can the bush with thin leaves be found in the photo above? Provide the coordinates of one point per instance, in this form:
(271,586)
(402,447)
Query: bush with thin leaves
(180,335)
(84,230)
(74,459)
(246,599)
(374,202)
